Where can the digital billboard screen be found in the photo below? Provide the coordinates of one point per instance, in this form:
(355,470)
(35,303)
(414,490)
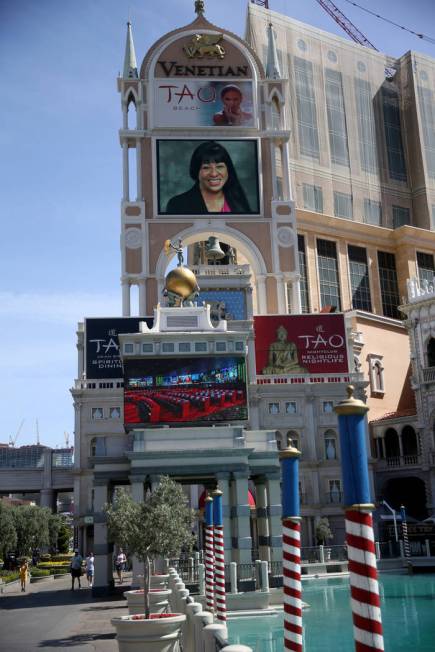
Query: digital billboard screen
(300,344)
(208,389)
(198,177)
(203,103)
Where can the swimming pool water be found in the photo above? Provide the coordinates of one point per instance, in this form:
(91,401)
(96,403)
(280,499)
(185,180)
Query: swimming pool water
(408,616)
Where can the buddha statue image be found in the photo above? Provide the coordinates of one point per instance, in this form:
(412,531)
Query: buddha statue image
(283,356)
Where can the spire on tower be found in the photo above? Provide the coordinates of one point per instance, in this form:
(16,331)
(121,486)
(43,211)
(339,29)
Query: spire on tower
(130,65)
(272,63)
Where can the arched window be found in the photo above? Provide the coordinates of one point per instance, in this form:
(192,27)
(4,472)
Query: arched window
(293,439)
(431,353)
(131,113)
(330,437)
(392,448)
(275,113)
(409,441)
(376,371)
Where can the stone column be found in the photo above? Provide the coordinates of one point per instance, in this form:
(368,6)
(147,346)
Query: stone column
(126,308)
(142,297)
(241,515)
(262,520)
(103,579)
(274,512)
(261,295)
(47,498)
(223,480)
(137,493)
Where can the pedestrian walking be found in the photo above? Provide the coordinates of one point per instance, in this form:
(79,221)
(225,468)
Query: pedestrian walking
(76,568)
(24,570)
(120,562)
(90,568)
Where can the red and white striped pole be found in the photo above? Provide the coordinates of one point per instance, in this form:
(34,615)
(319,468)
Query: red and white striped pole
(219,558)
(364,588)
(209,555)
(291,549)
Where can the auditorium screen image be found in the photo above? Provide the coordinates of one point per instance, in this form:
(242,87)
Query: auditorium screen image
(197,390)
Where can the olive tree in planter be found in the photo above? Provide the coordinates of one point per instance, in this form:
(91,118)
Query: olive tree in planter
(161,526)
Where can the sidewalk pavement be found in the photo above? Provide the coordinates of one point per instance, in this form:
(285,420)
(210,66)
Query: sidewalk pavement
(49,616)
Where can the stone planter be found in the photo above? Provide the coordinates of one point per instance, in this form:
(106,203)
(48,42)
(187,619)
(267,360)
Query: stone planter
(160,633)
(158,601)
(156,581)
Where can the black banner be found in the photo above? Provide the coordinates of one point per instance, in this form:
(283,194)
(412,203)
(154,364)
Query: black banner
(102,346)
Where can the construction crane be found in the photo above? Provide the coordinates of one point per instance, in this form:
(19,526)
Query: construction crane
(66,436)
(346,24)
(13,439)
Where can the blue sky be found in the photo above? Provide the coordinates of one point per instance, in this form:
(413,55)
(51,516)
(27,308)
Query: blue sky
(60,178)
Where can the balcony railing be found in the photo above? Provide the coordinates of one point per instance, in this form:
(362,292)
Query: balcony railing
(300,379)
(396,461)
(221,270)
(429,375)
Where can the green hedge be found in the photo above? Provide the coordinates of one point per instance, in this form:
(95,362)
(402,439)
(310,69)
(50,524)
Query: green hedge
(64,558)
(39,572)
(9,576)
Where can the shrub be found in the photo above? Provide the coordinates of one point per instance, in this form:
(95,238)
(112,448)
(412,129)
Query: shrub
(39,572)
(9,576)
(54,564)
(64,558)
(45,557)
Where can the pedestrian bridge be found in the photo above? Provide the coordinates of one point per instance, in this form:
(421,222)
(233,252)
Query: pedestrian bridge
(38,473)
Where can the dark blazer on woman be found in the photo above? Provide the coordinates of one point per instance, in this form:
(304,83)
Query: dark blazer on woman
(192,203)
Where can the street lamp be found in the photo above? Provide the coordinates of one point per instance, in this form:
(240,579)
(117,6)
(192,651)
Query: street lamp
(393,511)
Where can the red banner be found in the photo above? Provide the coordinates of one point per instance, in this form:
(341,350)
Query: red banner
(298,344)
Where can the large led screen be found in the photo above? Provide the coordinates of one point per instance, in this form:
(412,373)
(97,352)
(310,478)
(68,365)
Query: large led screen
(197,177)
(198,390)
(300,344)
(203,103)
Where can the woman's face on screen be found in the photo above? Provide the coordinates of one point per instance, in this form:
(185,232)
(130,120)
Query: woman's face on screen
(213,176)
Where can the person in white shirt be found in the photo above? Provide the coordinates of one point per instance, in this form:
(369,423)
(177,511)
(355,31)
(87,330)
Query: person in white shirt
(120,562)
(90,568)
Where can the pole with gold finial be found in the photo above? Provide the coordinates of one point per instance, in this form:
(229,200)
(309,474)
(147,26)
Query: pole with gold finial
(291,549)
(219,558)
(364,588)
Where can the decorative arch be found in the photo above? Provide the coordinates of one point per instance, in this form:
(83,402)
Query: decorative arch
(231,236)
(392,447)
(409,441)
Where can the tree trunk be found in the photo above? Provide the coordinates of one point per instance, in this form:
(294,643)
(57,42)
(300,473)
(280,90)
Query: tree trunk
(146,585)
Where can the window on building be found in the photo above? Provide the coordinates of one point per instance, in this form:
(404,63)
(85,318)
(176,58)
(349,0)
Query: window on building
(303,283)
(98,447)
(359,278)
(393,134)
(330,438)
(168,347)
(97,413)
(293,439)
(115,412)
(336,118)
(128,347)
(335,491)
(376,374)
(273,408)
(328,274)
(200,347)
(401,216)
(306,109)
(425,267)
(221,346)
(366,126)
(184,347)
(239,346)
(290,407)
(343,205)
(147,347)
(313,198)
(328,406)
(372,212)
(431,353)
(427,116)
(389,285)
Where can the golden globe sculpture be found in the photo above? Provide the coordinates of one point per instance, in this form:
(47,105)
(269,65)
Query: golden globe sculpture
(181,281)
